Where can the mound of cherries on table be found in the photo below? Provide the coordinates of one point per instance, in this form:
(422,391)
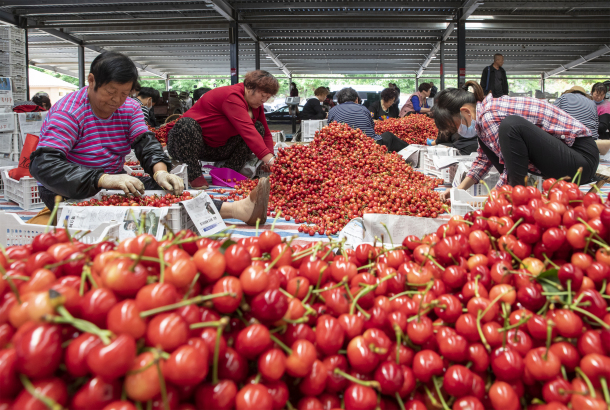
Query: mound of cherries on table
(159,201)
(502,309)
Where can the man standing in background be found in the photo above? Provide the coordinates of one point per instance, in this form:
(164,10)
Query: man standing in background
(493,79)
(394,86)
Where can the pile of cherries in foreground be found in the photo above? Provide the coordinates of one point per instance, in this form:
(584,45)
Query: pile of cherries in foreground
(503,309)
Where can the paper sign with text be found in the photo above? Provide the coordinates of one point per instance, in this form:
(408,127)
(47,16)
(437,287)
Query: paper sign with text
(7,122)
(204,215)
(6,92)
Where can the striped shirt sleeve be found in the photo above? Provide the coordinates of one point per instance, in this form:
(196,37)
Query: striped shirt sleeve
(138,125)
(60,131)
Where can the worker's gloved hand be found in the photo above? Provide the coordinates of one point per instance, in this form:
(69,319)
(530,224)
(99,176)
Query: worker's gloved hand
(429,142)
(124,182)
(169,182)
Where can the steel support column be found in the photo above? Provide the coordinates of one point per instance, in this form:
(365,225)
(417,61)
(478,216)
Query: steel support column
(27,66)
(461,48)
(167,83)
(81,65)
(442,71)
(542,83)
(416,83)
(234,46)
(257,55)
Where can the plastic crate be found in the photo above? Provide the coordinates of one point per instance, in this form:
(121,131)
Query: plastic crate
(23,192)
(13,231)
(12,33)
(535,181)
(12,45)
(10,58)
(309,128)
(18,82)
(177,218)
(2,168)
(462,202)
(11,70)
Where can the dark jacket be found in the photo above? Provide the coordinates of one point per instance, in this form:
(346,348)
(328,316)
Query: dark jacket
(52,169)
(312,110)
(433,91)
(378,112)
(490,74)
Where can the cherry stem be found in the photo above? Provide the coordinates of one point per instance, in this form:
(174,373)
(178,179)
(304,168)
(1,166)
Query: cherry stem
(280,344)
(398,334)
(497,298)
(591,315)
(549,336)
(518,324)
(367,266)
(431,396)
(219,330)
(272,264)
(441,267)
(47,401)
(408,292)
(338,285)
(374,384)
(604,384)
(14,289)
(513,255)
(367,289)
(162,384)
(564,373)
(58,199)
(587,381)
(191,301)
(514,226)
(277,216)
(578,174)
(80,324)
(200,325)
(140,255)
(191,286)
(481,335)
(58,264)
(440,396)
(550,262)
(401,404)
(161,265)
(569,291)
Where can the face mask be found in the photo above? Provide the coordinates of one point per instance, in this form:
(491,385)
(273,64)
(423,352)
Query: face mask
(467,132)
(599,102)
(149,106)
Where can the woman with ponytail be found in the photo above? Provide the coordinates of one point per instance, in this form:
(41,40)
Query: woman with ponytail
(516,135)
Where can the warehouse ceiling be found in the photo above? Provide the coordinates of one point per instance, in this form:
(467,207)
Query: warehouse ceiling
(317,36)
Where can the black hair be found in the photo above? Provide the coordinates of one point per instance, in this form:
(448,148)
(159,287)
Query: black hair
(112,66)
(347,94)
(149,92)
(198,93)
(599,88)
(42,99)
(448,102)
(424,87)
(388,94)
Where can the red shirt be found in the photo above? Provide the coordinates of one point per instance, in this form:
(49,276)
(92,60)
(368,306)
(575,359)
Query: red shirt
(223,113)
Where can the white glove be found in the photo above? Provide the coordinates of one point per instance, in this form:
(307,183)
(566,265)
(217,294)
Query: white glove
(169,182)
(124,182)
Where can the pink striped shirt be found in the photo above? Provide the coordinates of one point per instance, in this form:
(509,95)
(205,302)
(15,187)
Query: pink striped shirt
(73,128)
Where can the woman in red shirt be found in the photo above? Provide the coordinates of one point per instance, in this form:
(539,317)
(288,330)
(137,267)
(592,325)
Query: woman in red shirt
(226,124)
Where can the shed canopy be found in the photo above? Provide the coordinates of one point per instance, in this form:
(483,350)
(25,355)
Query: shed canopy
(318,36)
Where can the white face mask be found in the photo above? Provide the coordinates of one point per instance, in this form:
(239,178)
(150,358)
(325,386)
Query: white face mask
(465,131)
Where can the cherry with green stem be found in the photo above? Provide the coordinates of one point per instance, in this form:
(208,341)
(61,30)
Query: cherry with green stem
(187,302)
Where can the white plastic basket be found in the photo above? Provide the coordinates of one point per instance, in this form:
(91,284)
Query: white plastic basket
(309,128)
(13,231)
(23,192)
(177,218)
(12,33)
(535,181)
(12,70)
(278,136)
(10,58)
(462,202)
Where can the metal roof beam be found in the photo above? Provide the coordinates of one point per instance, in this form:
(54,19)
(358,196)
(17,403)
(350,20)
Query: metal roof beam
(83,9)
(582,60)
(469,7)
(225,10)
(54,69)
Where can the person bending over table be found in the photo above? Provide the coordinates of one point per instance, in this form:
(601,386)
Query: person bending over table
(598,92)
(516,135)
(385,106)
(87,134)
(226,124)
(417,102)
(358,116)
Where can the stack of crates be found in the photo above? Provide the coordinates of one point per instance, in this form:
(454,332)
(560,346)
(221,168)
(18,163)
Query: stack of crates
(12,60)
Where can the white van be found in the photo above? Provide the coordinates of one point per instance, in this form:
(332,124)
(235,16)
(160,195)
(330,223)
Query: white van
(362,90)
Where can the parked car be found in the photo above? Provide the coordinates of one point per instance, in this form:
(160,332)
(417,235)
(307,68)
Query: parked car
(282,116)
